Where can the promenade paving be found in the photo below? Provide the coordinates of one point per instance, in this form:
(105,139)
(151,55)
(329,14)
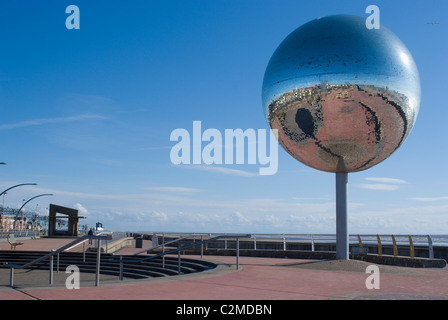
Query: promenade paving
(256,279)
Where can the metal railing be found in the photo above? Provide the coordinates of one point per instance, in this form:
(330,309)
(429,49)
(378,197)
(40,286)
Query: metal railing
(231,241)
(395,240)
(56,252)
(180,248)
(25,233)
(283,241)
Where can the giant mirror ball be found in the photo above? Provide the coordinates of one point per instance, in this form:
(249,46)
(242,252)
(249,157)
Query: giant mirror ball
(342,97)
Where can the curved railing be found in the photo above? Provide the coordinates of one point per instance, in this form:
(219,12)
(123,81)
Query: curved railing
(56,252)
(180,248)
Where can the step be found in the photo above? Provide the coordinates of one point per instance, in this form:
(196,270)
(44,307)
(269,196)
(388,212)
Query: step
(131,269)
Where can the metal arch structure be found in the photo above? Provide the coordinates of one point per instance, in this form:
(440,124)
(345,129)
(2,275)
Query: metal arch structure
(23,205)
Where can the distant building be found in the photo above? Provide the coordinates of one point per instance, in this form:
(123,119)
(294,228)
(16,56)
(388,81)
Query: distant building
(7,223)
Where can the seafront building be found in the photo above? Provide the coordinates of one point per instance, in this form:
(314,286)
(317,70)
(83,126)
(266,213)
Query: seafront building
(25,220)
(7,223)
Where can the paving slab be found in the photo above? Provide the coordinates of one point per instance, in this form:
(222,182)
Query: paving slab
(257,279)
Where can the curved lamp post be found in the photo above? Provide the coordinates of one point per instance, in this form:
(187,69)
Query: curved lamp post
(4,192)
(41,195)
(18,185)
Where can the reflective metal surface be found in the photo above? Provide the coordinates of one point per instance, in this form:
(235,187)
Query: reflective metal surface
(343,97)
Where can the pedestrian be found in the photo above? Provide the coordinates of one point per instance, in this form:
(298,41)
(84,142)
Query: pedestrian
(90,233)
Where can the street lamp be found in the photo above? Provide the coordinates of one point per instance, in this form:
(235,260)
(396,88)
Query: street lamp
(4,192)
(17,214)
(18,185)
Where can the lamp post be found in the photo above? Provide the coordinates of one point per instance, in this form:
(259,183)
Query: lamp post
(4,192)
(3,209)
(18,185)
(40,195)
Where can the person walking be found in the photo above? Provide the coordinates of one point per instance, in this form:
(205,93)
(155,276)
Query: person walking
(90,233)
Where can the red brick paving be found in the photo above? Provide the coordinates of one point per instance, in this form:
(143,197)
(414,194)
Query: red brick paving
(257,279)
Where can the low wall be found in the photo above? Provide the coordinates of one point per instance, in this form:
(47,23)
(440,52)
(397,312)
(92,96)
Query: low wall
(320,251)
(327,255)
(114,246)
(402,261)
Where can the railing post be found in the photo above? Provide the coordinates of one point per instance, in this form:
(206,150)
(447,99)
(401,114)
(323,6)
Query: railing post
(51,268)
(202,246)
(380,247)
(359,241)
(11,277)
(395,246)
(237,253)
(163,257)
(255,241)
(284,242)
(178,261)
(430,248)
(84,251)
(312,243)
(411,247)
(121,267)
(98,259)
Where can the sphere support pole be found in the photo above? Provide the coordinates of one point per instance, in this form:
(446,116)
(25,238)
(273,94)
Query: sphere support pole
(342,244)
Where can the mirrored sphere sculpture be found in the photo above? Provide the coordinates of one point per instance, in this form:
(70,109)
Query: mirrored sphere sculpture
(343,97)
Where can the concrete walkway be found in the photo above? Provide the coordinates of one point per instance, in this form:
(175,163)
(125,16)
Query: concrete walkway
(257,279)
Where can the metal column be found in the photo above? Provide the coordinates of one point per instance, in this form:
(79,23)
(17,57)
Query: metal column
(342,244)
(98,260)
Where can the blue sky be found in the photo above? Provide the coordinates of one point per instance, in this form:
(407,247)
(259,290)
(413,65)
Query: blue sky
(87,115)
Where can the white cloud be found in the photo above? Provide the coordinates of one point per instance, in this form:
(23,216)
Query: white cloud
(160,216)
(387,180)
(178,210)
(42,121)
(221,170)
(82,211)
(429,199)
(385,184)
(240,218)
(378,186)
(173,189)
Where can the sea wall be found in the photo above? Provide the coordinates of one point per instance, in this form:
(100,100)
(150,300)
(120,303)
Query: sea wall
(320,250)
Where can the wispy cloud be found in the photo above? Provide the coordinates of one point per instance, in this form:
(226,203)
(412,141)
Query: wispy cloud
(173,189)
(429,199)
(311,198)
(43,121)
(222,170)
(387,180)
(378,186)
(385,184)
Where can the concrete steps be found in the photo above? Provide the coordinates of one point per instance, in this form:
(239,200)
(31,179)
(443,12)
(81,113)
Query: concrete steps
(131,269)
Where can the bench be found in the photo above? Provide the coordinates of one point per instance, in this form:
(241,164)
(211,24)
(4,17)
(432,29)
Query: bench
(13,242)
